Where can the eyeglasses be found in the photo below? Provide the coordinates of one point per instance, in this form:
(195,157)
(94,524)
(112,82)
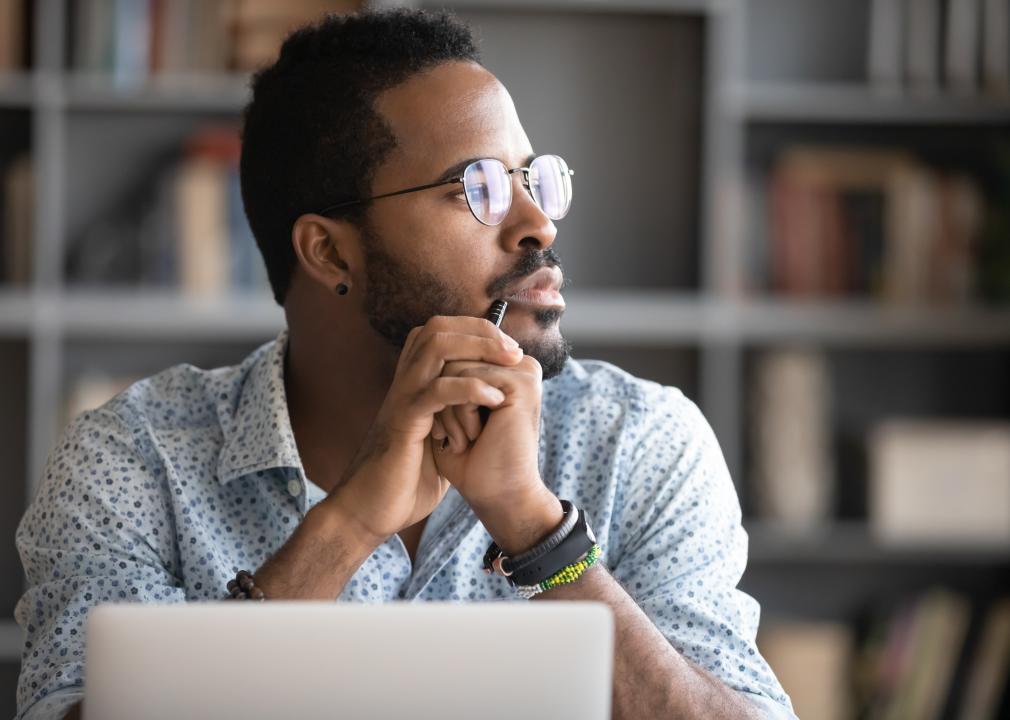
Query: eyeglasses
(487,186)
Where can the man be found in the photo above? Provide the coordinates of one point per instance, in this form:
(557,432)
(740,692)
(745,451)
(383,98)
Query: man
(348,459)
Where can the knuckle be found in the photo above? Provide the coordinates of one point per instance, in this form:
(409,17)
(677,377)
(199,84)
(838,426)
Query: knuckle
(531,364)
(475,385)
(431,340)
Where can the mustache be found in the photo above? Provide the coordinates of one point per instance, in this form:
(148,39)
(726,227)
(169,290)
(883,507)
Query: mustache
(529,264)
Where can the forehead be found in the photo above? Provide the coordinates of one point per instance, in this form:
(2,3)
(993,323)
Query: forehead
(448,113)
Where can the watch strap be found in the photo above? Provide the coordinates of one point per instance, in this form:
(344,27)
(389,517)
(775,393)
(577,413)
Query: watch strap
(576,544)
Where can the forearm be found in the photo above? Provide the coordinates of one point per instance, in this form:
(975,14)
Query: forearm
(318,559)
(651,679)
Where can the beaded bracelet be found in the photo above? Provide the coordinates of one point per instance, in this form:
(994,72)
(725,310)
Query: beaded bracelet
(567,575)
(243,587)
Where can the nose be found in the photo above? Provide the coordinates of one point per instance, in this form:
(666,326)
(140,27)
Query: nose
(526,224)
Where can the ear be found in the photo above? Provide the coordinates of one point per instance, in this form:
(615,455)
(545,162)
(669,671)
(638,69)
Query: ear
(328,250)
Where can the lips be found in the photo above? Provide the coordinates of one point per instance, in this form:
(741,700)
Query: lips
(546,279)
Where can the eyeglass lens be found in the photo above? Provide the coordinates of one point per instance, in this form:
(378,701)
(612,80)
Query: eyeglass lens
(488,188)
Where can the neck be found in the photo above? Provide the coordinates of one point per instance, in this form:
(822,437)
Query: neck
(337,372)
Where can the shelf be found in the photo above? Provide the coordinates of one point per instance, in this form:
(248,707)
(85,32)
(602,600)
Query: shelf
(852,543)
(626,6)
(12,640)
(869,323)
(608,316)
(15,90)
(670,317)
(16,313)
(213,93)
(151,315)
(226,92)
(842,103)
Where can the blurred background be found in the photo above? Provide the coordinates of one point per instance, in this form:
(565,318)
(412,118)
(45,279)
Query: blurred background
(797,211)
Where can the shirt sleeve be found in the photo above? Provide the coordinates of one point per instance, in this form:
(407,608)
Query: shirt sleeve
(681,549)
(99,530)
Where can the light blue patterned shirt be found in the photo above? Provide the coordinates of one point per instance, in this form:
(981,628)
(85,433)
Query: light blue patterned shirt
(171,487)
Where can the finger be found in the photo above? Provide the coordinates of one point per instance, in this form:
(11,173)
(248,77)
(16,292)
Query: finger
(469,419)
(438,429)
(442,392)
(457,435)
(464,324)
(432,350)
(528,370)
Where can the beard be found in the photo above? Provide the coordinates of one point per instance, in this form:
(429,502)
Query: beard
(399,298)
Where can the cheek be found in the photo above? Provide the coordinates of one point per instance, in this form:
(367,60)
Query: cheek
(443,245)
(441,238)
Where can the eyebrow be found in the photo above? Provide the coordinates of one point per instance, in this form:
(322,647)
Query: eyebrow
(456,170)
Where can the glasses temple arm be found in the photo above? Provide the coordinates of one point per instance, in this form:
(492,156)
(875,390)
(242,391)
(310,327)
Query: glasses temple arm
(348,203)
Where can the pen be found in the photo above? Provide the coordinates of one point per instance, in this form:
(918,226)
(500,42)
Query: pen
(496,314)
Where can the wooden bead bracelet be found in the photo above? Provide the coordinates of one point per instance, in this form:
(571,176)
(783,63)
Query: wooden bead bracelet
(243,587)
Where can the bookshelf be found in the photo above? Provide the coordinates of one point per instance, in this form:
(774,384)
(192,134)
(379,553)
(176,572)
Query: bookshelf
(677,306)
(859,103)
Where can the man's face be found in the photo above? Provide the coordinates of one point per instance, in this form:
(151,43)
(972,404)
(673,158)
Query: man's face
(425,252)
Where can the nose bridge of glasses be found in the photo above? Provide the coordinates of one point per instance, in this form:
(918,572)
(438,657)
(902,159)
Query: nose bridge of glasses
(524,175)
(525,178)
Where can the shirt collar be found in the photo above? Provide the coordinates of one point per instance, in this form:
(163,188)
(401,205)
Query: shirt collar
(254,418)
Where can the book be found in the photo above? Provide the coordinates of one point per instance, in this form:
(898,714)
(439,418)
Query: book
(937,481)
(873,222)
(260,26)
(16,232)
(812,662)
(203,226)
(952,276)
(913,225)
(130,42)
(907,663)
(791,435)
(135,40)
(932,647)
(184,228)
(963,45)
(922,47)
(989,667)
(996,47)
(92,50)
(13,29)
(886,46)
(247,269)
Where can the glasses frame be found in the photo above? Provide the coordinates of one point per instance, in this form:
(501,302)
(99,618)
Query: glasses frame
(525,179)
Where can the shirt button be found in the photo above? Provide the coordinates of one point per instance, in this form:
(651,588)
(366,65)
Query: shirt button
(294,487)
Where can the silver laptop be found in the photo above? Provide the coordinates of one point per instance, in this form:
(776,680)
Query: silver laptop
(281,659)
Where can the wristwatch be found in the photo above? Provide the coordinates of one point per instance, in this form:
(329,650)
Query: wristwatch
(541,565)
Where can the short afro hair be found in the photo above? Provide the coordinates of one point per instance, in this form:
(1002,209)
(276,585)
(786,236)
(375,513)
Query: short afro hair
(311,136)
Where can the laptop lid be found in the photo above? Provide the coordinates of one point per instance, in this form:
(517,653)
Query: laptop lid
(309,659)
